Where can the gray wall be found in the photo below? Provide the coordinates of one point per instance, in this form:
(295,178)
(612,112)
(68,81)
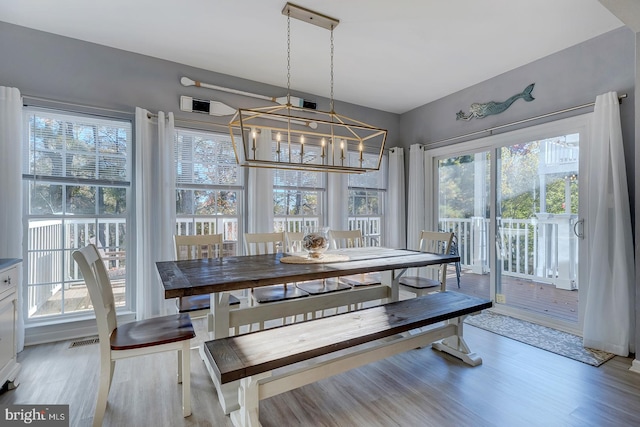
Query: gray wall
(63,69)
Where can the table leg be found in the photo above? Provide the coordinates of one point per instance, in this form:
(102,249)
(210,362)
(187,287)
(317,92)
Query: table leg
(395,286)
(219,316)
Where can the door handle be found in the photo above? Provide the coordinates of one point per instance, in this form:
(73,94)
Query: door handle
(579,234)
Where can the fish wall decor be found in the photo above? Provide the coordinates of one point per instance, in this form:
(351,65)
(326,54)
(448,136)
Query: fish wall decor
(480,111)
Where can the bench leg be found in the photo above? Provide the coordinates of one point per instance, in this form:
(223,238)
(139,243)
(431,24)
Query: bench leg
(249,399)
(227,393)
(456,346)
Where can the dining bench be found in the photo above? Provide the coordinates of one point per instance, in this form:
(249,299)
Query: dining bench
(272,361)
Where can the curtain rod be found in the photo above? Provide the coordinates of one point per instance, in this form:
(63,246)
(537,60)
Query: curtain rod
(73,104)
(428,145)
(178,119)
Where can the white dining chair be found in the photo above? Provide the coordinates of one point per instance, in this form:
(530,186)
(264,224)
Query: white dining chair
(200,247)
(270,243)
(341,239)
(138,338)
(433,276)
(312,287)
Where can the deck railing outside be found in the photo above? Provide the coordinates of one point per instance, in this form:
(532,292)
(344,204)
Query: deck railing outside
(543,249)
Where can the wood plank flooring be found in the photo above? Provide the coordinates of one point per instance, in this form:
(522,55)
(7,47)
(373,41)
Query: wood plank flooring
(517,385)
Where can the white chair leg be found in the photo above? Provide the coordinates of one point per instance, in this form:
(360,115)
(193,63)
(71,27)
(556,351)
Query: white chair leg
(106,373)
(185,366)
(113,367)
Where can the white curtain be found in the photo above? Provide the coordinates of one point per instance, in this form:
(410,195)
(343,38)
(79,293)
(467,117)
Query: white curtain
(11,189)
(609,316)
(155,209)
(260,189)
(416,203)
(338,208)
(395,228)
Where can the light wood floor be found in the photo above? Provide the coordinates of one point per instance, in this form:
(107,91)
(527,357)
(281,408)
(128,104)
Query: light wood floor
(517,385)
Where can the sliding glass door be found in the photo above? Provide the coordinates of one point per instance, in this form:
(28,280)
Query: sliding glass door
(463,208)
(514,203)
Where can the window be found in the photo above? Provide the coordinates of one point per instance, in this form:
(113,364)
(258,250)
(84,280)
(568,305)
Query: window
(297,196)
(208,187)
(366,200)
(76,174)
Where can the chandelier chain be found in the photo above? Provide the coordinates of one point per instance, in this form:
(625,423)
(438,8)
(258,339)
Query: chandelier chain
(288,57)
(331,95)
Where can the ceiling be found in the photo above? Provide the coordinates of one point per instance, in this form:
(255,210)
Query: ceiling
(389,55)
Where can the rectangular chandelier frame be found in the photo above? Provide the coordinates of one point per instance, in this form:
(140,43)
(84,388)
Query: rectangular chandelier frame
(282,132)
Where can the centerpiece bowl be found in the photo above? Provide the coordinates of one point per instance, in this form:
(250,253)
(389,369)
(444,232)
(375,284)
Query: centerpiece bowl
(315,241)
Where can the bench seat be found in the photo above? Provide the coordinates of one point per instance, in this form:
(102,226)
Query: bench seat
(253,357)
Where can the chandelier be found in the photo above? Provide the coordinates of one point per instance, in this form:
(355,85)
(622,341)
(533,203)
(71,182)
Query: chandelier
(294,137)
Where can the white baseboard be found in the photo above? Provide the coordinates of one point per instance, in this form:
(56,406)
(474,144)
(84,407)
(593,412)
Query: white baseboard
(52,332)
(635,366)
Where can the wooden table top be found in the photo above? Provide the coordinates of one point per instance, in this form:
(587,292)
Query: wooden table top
(204,276)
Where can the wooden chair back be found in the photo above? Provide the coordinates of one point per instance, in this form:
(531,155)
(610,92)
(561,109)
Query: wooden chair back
(97,280)
(198,247)
(294,241)
(436,242)
(341,239)
(264,243)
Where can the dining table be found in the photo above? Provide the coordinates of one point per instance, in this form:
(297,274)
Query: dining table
(219,276)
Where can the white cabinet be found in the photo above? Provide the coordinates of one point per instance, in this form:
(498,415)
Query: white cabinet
(9,279)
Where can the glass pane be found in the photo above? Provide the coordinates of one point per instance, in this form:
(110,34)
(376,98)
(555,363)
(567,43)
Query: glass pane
(45,198)
(81,199)
(44,300)
(537,201)
(112,200)
(112,168)
(291,202)
(205,158)
(68,146)
(206,202)
(463,208)
(228,203)
(184,202)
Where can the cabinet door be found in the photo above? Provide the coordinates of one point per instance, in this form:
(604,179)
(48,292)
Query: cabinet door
(7,331)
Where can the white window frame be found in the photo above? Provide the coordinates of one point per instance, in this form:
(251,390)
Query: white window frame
(58,262)
(195,223)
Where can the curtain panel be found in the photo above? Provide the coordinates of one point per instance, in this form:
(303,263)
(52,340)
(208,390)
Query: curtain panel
(395,228)
(416,220)
(609,313)
(338,201)
(260,190)
(155,223)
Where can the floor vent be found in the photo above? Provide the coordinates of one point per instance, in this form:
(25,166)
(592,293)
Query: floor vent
(82,343)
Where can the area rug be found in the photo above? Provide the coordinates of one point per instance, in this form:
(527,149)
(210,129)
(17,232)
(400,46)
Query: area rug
(549,339)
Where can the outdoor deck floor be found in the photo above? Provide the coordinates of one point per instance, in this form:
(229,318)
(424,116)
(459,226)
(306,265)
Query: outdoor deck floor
(539,298)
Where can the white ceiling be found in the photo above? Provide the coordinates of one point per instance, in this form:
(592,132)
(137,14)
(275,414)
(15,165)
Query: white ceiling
(389,55)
